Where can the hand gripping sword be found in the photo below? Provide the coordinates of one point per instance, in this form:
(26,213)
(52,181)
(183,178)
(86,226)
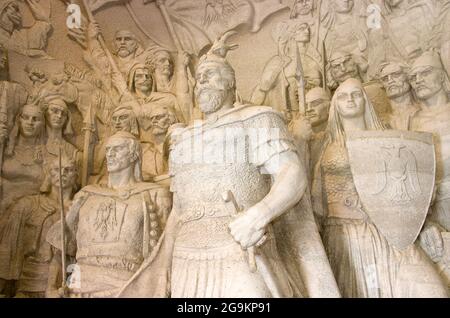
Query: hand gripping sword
(228,197)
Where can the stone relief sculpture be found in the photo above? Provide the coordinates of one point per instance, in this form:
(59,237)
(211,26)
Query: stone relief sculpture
(30,41)
(127,49)
(343,29)
(366,261)
(25,253)
(170,80)
(311,162)
(154,162)
(394,77)
(344,65)
(112,229)
(431,86)
(22,170)
(207,253)
(390,43)
(58,129)
(278,86)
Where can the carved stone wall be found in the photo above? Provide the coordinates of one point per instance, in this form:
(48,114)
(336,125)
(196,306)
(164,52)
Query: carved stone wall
(95,119)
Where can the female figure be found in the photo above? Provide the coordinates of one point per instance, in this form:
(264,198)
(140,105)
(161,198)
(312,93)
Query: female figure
(58,130)
(364,263)
(22,166)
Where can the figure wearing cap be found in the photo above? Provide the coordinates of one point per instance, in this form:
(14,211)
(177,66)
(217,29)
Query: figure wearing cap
(30,41)
(202,253)
(112,229)
(406,27)
(431,86)
(343,65)
(403,105)
(154,161)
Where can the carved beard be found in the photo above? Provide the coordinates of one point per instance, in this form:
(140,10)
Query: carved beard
(210,100)
(123,52)
(397,90)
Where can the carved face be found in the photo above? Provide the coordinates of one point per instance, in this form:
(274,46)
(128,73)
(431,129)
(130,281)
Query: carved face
(395,81)
(121,120)
(126,43)
(163,64)
(68,174)
(344,68)
(211,88)
(161,121)
(303,34)
(31,121)
(56,116)
(351,102)
(12,13)
(143,80)
(118,154)
(426,81)
(303,7)
(317,111)
(343,6)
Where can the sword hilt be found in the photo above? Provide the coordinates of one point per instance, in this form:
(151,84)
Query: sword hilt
(229,197)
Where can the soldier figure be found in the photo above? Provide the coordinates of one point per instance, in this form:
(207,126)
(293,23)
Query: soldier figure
(25,255)
(208,244)
(431,86)
(394,77)
(110,230)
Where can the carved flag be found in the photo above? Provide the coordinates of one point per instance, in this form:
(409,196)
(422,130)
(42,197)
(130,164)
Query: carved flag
(198,23)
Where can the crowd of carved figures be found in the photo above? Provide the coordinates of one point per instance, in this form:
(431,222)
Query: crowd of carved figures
(345,191)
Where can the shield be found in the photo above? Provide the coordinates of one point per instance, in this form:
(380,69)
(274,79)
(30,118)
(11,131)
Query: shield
(394,175)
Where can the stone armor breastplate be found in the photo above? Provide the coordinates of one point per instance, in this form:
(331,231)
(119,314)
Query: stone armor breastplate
(198,186)
(111,227)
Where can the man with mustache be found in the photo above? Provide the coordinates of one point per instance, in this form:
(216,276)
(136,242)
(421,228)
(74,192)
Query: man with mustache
(154,162)
(111,229)
(394,77)
(246,152)
(127,49)
(342,66)
(30,41)
(431,86)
